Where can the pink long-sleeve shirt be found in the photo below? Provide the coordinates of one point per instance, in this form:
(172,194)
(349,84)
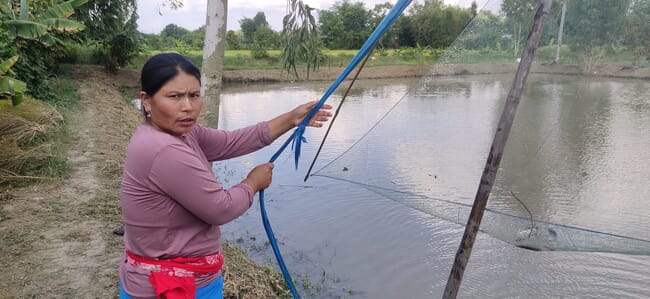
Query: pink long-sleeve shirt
(172,204)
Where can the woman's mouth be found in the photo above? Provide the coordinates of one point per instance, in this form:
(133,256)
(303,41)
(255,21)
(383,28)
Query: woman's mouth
(186,122)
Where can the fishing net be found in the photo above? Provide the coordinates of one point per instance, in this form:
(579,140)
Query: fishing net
(573,133)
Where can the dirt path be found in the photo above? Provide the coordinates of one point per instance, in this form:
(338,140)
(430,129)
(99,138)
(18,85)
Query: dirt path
(54,244)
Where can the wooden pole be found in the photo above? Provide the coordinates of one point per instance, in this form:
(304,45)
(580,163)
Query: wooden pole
(496,151)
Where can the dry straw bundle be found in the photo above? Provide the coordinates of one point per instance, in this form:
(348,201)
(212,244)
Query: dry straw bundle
(23,140)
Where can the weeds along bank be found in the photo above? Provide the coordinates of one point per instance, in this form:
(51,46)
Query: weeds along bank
(61,166)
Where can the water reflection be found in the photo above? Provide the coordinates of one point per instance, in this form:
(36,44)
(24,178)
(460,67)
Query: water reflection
(575,156)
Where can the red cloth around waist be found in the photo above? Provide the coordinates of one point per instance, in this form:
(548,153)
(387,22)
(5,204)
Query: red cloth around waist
(174,278)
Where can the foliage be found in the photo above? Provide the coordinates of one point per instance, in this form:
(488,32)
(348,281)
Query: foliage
(262,41)
(37,38)
(391,38)
(345,25)
(430,26)
(232,40)
(438,25)
(250,26)
(10,88)
(111,26)
(485,31)
(637,35)
(595,24)
(300,38)
(518,15)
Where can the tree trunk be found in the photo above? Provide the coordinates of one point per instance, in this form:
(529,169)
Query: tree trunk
(213,53)
(559,33)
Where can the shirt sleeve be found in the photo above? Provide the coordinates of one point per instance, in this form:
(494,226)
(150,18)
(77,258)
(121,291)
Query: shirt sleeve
(178,173)
(221,145)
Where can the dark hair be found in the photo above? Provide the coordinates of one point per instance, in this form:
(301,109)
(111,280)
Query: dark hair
(163,67)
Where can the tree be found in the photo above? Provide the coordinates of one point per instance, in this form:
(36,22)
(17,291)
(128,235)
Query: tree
(484,32)
(594,28)
(637,35)
(518,15)
(260,20)
(300,38)
(391,37)
(405,31)
(592,24)
(249,26)
(345,26)
(262,41)
(112,26)
(436,25)
(232,40)
(174,31)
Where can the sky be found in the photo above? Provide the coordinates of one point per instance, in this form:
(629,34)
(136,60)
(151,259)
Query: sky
(153,17)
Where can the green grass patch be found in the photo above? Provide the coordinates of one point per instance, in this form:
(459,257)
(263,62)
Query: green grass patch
(243,60)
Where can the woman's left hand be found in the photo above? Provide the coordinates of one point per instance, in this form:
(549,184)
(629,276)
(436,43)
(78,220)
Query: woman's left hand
(293,118)
(300,112)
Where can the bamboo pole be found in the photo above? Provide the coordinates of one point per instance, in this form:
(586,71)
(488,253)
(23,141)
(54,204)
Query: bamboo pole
(496,151)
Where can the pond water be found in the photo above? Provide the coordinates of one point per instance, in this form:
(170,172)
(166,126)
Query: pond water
(577,157)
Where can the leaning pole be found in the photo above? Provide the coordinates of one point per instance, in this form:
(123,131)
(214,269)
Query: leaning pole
(496,151)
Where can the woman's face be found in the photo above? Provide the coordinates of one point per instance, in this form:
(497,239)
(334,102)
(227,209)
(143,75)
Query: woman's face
(176,106)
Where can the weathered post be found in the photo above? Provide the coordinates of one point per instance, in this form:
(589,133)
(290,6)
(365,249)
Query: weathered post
(496,151)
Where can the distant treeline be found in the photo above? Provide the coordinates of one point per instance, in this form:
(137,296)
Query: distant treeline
(590,27)
(36,36)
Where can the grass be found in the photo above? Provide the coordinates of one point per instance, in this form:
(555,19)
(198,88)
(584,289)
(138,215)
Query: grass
(242,59)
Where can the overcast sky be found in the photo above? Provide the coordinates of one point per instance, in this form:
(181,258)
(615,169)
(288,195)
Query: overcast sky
(153,17)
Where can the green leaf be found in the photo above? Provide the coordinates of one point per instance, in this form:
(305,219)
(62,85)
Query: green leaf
(62,10)
(6,65)
(63,25)
(50,40)
(26,29)
(15,100)
(10,87)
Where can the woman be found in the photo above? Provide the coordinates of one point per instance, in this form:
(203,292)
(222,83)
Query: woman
(172,205)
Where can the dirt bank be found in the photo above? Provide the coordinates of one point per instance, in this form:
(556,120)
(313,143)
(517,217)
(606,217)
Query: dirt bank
(405,71)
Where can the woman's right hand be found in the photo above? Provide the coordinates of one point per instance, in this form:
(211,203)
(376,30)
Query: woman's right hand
(260,177)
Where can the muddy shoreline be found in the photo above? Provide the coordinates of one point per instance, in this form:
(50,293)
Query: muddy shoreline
(409,71)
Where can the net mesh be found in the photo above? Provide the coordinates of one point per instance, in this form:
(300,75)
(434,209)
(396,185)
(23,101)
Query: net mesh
(429,149)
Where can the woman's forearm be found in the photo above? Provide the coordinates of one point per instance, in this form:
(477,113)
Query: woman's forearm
(280,125)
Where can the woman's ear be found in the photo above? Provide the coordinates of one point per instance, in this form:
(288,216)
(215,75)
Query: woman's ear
(145,100)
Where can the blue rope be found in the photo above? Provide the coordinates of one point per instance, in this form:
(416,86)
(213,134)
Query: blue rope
(297,138)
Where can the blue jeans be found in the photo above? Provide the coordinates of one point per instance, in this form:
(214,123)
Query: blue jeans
(212,291)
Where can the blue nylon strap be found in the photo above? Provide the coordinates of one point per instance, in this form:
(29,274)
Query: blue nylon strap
(297,138)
